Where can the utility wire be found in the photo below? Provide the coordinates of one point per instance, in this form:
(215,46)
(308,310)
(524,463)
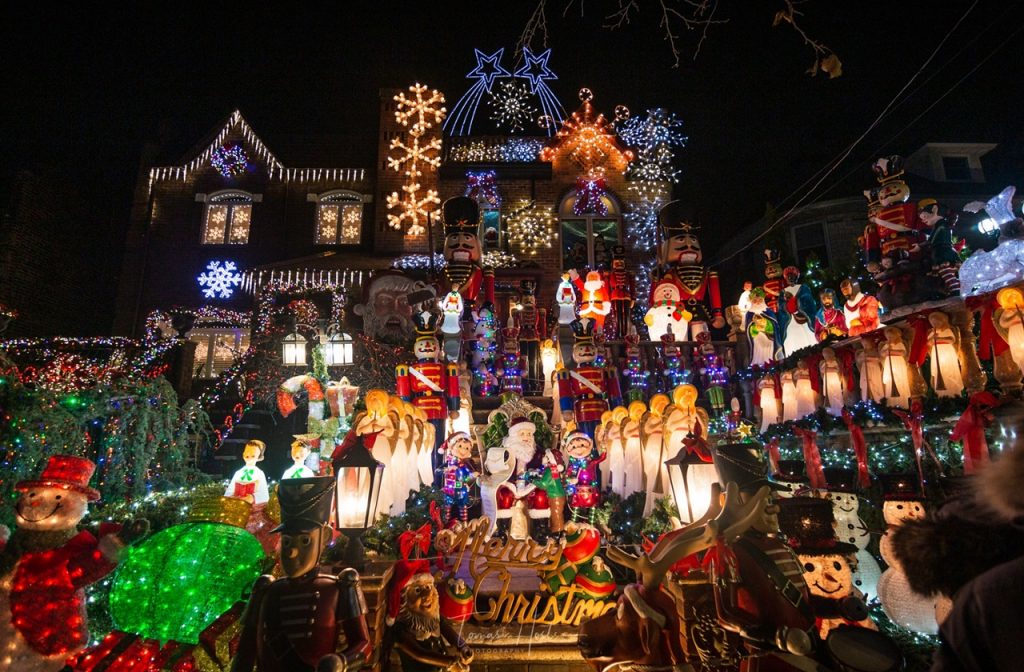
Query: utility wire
(846,152)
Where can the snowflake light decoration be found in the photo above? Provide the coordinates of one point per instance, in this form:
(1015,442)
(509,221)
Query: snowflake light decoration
(220,279)
(655,138)
(229,161)
(589,142)
(413,204)
(511,106)
(530,227)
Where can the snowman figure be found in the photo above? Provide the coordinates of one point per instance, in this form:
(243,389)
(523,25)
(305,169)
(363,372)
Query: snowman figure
(851,529)
(809,525)
(47,563)
(903,502)
(667,313)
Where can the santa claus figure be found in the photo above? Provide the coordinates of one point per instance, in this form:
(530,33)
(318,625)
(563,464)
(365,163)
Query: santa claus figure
(522,507)
(681,255)
(593,292)
(47,563)
(426,642)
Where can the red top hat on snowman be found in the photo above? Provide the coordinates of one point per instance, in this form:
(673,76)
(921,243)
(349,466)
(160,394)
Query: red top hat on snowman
(67,472)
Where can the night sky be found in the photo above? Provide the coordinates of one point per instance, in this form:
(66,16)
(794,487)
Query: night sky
(87,85)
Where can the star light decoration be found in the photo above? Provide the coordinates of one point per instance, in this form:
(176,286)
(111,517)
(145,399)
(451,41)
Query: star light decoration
(220,279)
(489,69)
(530,227)
(511,106)
(655,138)
(424,109)
(588,141)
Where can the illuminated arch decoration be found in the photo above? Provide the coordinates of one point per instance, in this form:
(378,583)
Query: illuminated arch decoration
(489,69)
(589,142)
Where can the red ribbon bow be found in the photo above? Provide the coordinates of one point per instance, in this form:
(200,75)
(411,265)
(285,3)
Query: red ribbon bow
(411,541)
(812,457)
(970,429)
(773,455)
(860,448)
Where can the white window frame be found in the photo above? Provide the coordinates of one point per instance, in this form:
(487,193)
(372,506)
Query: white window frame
(235,201)
(338,197)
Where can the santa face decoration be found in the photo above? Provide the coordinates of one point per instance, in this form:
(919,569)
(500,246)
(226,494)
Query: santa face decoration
(899,510)
(827,575)
(50,508)
(463,247)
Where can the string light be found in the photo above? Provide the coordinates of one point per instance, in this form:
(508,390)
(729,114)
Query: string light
(483,186)
(655,138)
(530,227)
(496,150)
(511,106)
(219,279)
(413,204)
(229,161)
(590,195)
(588,141)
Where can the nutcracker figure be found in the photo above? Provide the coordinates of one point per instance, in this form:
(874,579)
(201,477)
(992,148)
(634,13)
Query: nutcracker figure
(309,619)
(463,272)
(893,228)
(586,391)
(510,368)
(460,473)
(430,385)
(773,282)
(622,291)
(529,336)
(581,476)
(830,322)
(682,255)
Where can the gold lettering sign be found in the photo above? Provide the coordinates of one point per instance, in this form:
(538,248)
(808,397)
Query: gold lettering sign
(492,559)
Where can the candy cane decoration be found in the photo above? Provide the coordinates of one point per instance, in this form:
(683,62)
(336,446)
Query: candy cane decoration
(315,391)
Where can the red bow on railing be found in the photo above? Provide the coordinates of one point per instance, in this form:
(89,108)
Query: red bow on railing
(414,542)
(773,455)
(812,457)
(860,448)
(919,346)
(914,422)
(970,429)
(989,341)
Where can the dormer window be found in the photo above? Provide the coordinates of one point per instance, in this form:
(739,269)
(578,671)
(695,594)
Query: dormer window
(956,168)
(339,218)
(228,218)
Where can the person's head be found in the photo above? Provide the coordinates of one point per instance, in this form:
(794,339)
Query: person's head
(254,452)
(791,275)
(1010,298)
(938,320)
(747,285)
(306,505)
(849,287)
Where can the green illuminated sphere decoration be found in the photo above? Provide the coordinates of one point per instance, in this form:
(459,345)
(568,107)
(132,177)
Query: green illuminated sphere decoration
(177,582)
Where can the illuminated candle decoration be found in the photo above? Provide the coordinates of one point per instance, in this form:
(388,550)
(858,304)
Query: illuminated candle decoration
(229,160)
(768,403)
(895,371)
(220,279)
(943,355)
(424,108)
(832,390)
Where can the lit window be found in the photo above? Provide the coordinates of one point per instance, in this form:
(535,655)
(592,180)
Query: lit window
(587,240)
(217,350)
(339,219)
(228,216)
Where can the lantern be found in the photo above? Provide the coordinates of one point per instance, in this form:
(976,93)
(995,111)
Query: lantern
(338,349)
(358,492)
(691,479)
(293,350)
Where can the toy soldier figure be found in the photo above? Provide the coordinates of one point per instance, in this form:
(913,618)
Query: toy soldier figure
(682,256)
(621,290)
(529,336)
(309,619)
(773,282)
(461,217)
(586,391)
(431,386)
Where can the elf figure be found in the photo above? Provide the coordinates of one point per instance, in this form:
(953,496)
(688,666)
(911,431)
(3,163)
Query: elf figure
(565,297)
(593,298)
(249,482)
(430,385)
(300,451)
(551,479)
(581,476)
(47,563)
(459,476)
(620,284)
(830,321)
(681,254)
(586,391)
(309,619)
(940,222)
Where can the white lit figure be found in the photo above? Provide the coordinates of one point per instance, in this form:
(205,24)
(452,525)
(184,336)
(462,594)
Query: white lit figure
(548,362)
(667,313)
(633,470)
(806,397)
(653,437)
(616,451)
(249,482)
(768,403)
(869,365)
(300,451)
(789,400)
(565,297)
(832,388)
(895,370)
(943,348)
(1009,321)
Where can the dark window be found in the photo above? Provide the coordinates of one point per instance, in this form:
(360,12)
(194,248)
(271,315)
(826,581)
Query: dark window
(810,239)
(956,168)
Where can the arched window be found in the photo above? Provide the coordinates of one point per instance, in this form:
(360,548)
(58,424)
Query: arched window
(587,239)
(228,216)
(339,218)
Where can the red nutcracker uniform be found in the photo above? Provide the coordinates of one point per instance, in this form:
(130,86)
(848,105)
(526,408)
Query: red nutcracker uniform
(587,390)
(461,216)
(621,289)
(698,291)
(773,282)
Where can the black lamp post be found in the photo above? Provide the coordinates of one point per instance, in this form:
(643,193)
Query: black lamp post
(358,477)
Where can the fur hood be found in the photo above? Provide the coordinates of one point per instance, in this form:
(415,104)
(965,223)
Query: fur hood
(999,485)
